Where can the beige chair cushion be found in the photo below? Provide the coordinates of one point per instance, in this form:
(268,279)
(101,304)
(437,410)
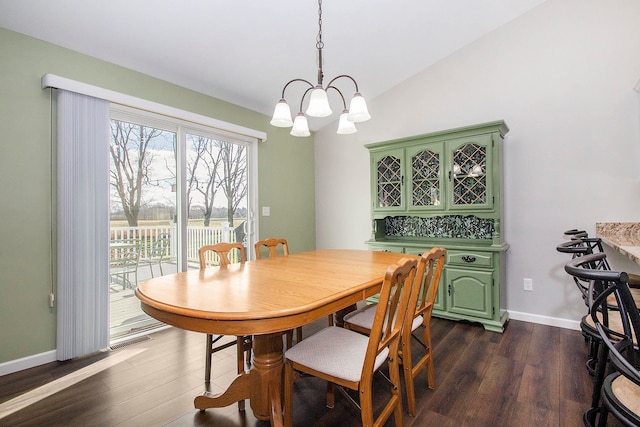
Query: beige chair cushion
(363,317)
(335,351)
(628,393)
(635,293)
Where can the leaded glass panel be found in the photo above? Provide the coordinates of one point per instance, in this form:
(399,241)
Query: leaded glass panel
(470,175)
(425,178)
(389,182)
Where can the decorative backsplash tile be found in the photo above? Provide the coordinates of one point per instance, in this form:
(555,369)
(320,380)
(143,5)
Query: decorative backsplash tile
(449,226)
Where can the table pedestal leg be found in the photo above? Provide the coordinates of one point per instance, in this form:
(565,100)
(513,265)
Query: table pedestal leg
(266,384)
(262,384)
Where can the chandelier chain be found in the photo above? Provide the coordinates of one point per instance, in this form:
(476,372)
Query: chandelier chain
(319,43)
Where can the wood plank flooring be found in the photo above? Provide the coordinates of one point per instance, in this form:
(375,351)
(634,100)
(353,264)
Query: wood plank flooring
(532,375)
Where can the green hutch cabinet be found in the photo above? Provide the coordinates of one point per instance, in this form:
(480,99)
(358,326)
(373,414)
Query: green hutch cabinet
(444,189)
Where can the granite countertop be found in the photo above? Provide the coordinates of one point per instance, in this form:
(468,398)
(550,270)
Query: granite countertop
(622,236)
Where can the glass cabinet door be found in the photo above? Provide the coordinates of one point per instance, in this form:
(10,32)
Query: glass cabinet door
(388,180)
(426,184)
(471,173)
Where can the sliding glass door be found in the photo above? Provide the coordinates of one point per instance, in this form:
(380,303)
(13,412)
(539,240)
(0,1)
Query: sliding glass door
(217,191)
(142,217)
(175,187)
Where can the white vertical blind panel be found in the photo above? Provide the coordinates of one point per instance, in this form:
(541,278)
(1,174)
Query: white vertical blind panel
(83,227)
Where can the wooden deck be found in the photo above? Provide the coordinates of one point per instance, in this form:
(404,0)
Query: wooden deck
(125,315)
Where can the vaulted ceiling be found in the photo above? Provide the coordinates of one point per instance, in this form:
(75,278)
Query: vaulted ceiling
(244,51)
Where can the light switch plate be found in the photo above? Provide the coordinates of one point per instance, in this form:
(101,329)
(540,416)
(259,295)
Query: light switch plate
(266,211)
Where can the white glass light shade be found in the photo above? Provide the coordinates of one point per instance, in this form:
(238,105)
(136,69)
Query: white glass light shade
(358,111)
(346,126)
(300,126)
(282,115)
(318,103)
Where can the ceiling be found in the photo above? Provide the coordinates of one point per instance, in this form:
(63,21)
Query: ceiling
(244,51)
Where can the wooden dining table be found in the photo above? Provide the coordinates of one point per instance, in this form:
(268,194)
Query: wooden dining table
(263,298)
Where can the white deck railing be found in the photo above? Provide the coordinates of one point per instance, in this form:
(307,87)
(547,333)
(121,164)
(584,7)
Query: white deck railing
(197,236)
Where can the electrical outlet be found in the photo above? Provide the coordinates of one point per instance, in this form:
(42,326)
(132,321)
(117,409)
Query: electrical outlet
(528,284)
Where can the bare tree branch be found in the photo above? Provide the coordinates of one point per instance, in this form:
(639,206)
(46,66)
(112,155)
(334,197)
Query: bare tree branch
(131,161)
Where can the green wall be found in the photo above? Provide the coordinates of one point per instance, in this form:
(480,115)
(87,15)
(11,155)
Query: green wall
(27,324)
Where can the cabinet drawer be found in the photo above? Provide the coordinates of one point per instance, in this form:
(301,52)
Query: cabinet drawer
(470,258)
(385,248)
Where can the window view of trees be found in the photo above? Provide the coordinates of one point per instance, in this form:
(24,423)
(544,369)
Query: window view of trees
(131,159)
(215,167)
(143,171)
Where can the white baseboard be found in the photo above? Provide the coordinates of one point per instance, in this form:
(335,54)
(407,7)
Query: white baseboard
(27,362)
(545,320)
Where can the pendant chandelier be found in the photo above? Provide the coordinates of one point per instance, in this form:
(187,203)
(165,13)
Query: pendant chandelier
(319,102)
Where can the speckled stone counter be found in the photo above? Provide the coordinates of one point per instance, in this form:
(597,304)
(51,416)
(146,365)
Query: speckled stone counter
(622,236)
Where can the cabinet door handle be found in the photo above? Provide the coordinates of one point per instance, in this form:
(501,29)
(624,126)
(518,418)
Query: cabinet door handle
(449,289)
(468,258)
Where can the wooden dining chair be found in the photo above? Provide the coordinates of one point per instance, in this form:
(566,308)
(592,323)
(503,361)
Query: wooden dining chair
(277,247)
(243,343)
(223,251)
(349,359)
(274,246)
(425,291)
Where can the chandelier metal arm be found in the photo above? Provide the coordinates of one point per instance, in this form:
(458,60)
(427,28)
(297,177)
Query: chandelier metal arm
(303,95)
(344,75)
(296,80)
(344,102)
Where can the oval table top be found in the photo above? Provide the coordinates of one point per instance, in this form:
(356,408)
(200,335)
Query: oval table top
(267,295)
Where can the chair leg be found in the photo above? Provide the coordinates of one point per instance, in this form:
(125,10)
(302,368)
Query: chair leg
(396,395)
(240,363)
(602,417)
(601,372)
(407,369)
(160,265)
(331,394)
(298,334)
(248,346)
(431,373)
(207,361)
(289,378)
(289,336)
(366,404)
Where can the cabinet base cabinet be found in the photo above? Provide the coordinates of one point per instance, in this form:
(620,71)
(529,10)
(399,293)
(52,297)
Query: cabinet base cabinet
(470,285)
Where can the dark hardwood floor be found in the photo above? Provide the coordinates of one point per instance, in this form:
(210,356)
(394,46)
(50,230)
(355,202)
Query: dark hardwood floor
(532,375)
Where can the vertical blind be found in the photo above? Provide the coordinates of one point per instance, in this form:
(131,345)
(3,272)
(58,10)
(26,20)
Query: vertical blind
(82,224)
